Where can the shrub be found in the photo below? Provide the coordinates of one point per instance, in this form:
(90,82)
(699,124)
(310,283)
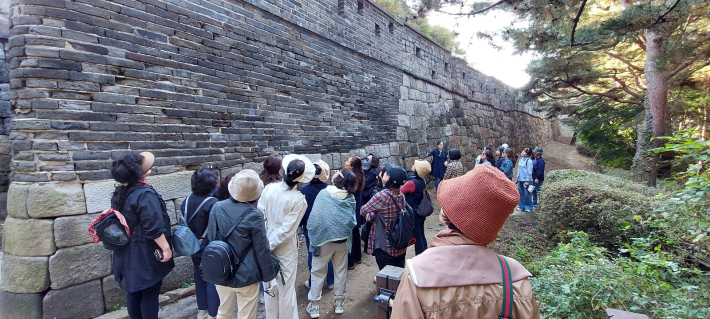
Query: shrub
(586,151)
(578,280)
(602,206)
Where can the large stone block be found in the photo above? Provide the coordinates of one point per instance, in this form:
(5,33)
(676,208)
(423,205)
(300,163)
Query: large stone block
(20,306)
(172,186)
(76,302)
(24,274)
(228,171)
(258,167)
(71,266)
(73,230)
(17,200)
(181,273)
(114,296)
(170,208)
(98,195)
(29,237)
(55,199)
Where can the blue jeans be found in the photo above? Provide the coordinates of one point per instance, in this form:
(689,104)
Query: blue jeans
(421,245)
(436,182)
(534,194)
(330,277)
(525,197)
(206,293)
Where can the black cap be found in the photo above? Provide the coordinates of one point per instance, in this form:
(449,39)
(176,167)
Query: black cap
(397,174)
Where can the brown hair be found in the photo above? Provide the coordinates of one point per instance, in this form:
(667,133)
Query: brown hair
(509,154)
(527,151)
(345,179)
(356,165)
(223,190)
(272,169)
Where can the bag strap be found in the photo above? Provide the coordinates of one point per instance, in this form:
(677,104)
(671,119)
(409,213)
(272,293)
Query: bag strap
(196,210)
(184,213)
(508,302)
(399,210)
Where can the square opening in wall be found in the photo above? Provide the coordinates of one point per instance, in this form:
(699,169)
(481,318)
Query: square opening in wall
(377,29)
(446,67)
(341,7)
(433,74)
(360,7)
(419,53)
(391,27)
(463,75)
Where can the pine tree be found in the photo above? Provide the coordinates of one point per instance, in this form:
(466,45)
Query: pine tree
(627,53)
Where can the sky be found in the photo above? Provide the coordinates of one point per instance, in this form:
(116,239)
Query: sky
(503,64)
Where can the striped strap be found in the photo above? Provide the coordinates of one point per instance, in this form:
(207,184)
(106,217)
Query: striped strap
(508,302)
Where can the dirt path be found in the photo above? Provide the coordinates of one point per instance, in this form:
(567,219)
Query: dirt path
(360,286)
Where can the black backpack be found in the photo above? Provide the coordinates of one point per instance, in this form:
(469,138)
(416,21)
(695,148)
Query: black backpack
(401,232)
(219,264)
(109,230)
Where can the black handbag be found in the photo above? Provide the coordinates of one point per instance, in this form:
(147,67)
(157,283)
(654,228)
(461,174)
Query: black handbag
(425,208)
(401,232)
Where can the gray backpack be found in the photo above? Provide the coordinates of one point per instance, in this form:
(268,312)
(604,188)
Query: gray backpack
(185,243)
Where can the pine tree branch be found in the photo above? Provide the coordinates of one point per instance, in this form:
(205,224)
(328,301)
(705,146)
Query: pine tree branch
(576,20)
(484,10)
(605,94)
(618,57)
(682,67)
(625,87)
(665,14)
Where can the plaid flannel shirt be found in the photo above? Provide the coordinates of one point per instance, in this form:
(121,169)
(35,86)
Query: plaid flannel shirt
(382,204)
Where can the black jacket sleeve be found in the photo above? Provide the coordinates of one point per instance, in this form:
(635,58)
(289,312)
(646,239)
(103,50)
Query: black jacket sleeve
(260,244)
(151,213)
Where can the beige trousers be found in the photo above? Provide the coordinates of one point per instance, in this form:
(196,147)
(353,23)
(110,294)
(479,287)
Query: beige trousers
(246,297)
(338,253)
(284,305)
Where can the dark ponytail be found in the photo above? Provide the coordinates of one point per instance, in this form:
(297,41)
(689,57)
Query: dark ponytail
(295,169)
(126,170)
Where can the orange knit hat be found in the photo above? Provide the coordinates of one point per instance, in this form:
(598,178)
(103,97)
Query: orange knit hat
(479,202)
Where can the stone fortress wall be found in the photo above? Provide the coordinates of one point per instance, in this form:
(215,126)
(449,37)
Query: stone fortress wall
(208,82)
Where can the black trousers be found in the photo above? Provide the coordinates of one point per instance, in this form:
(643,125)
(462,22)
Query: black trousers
(144,304)
(356,254)
(384,259)
(421,245)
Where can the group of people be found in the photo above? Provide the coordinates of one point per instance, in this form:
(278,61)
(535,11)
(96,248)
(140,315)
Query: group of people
(259,215)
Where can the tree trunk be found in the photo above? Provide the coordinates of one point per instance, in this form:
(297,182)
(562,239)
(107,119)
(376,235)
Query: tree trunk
(645,162)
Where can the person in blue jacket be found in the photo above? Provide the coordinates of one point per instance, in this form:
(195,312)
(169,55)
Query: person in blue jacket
(438,164)
(525,170)
(538,173)
(317,184)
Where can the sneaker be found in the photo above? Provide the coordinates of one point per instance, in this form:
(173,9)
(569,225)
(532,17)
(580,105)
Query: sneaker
(518,209)
(528,211)
(351,267)
(339,309)
(313,310)
(307,284)
(202,314)
(331,287)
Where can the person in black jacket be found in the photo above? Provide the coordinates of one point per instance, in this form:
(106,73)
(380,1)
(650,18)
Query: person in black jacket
(196,211)
(413,192)
(249,240)
(538,173)
(372,178)
(140,267)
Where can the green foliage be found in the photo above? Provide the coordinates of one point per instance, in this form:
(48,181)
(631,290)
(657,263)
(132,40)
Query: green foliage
(189,282)
(585,150)
(694,152)
(608,130)
(601,205)
(579,280)
(442,35)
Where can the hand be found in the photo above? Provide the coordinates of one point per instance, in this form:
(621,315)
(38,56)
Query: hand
(270,286)
(527,184)
(446,163)
(167,254)
(536,181)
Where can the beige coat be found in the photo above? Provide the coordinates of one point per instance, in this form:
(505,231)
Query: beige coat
(458,278)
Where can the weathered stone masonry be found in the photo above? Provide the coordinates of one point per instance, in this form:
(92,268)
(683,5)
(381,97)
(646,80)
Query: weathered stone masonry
(208,82)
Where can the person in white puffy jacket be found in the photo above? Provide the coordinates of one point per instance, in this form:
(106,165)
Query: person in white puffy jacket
(283,206)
